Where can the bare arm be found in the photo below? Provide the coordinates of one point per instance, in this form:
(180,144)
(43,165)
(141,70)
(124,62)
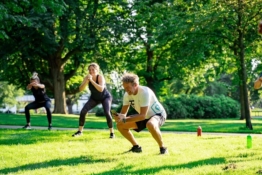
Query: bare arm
(34,84)
(124,109)
(258,83)
(131,118)
(29,86)
(138,117)
(84,83)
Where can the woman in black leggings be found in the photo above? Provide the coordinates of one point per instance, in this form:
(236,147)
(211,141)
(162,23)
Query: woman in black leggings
(99,94)
(41,100)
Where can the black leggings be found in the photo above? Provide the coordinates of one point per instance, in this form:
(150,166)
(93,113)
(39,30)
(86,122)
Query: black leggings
(106,103)
(36,105)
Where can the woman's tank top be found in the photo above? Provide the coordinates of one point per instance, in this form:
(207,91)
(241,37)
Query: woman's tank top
(40,95)
(97,95)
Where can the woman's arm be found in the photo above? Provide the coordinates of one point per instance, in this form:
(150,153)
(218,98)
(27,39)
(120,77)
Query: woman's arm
(84,83)
(29,86)
(35,84)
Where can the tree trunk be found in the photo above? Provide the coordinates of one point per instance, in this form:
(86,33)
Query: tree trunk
(70,103)
(241,95)
(59,93)
(243,77)
(57,69)
(245,91)
(70,108)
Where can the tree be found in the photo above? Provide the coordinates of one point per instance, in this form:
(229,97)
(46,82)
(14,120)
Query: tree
(57,46)
(8,94)
(11,12)
(232,25)
(152,38)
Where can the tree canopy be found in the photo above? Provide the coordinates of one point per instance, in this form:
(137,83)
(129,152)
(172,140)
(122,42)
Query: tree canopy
(174,46)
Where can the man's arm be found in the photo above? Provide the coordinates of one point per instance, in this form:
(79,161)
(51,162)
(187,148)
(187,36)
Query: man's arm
(124,109)
(258,83)
(138,117)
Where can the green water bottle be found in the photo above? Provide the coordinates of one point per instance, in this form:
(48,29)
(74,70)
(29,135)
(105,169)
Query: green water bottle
(249,141)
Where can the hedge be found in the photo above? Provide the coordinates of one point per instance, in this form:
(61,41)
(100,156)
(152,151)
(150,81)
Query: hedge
(201,107)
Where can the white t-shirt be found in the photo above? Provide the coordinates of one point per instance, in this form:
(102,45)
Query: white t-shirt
(144,97)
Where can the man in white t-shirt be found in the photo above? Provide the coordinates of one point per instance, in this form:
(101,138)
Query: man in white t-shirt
(151,114)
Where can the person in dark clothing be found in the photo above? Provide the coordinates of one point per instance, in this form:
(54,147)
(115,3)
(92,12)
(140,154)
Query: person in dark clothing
(99,94)
(41,100)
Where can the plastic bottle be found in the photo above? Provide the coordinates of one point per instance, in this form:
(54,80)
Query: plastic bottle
(199,131)
(249,141)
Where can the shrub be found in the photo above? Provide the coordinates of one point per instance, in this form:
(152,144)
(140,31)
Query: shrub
(192,106)
(99,112)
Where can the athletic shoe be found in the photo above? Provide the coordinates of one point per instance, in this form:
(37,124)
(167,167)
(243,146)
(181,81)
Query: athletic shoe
(163,150)
(49,127)
(78,133)
(136,149)
(27,127)
(112,135)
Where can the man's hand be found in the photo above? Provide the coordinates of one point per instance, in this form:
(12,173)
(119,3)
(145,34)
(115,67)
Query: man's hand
(119,117)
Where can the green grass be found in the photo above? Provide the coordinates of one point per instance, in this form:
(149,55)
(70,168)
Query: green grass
(38,152)
(55,152)
(93,122)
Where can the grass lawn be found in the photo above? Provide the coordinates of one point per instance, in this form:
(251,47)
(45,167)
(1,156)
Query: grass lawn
(93,122)
(37,152)
(55,152)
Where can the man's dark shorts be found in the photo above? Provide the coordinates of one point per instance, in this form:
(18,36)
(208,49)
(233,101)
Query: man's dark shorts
(142,124)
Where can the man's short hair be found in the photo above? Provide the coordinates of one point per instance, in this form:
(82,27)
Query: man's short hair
(130,78)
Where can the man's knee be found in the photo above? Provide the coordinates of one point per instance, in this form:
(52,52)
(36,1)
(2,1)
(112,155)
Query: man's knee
(121,126)
(152,124)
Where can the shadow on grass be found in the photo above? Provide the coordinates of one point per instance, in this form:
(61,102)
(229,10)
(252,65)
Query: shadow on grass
(121,170)
(27,137)
(53,163)
(65,121)
(155,170)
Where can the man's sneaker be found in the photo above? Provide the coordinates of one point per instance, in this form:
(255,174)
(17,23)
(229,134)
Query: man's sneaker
(136,149)
(112,135)
(163,150)
(27,127)
(78,133)
(49,127)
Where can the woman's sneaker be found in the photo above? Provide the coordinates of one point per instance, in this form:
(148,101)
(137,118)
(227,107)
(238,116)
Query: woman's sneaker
(27,127)
(163,150)
(78,133)
(112,135)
